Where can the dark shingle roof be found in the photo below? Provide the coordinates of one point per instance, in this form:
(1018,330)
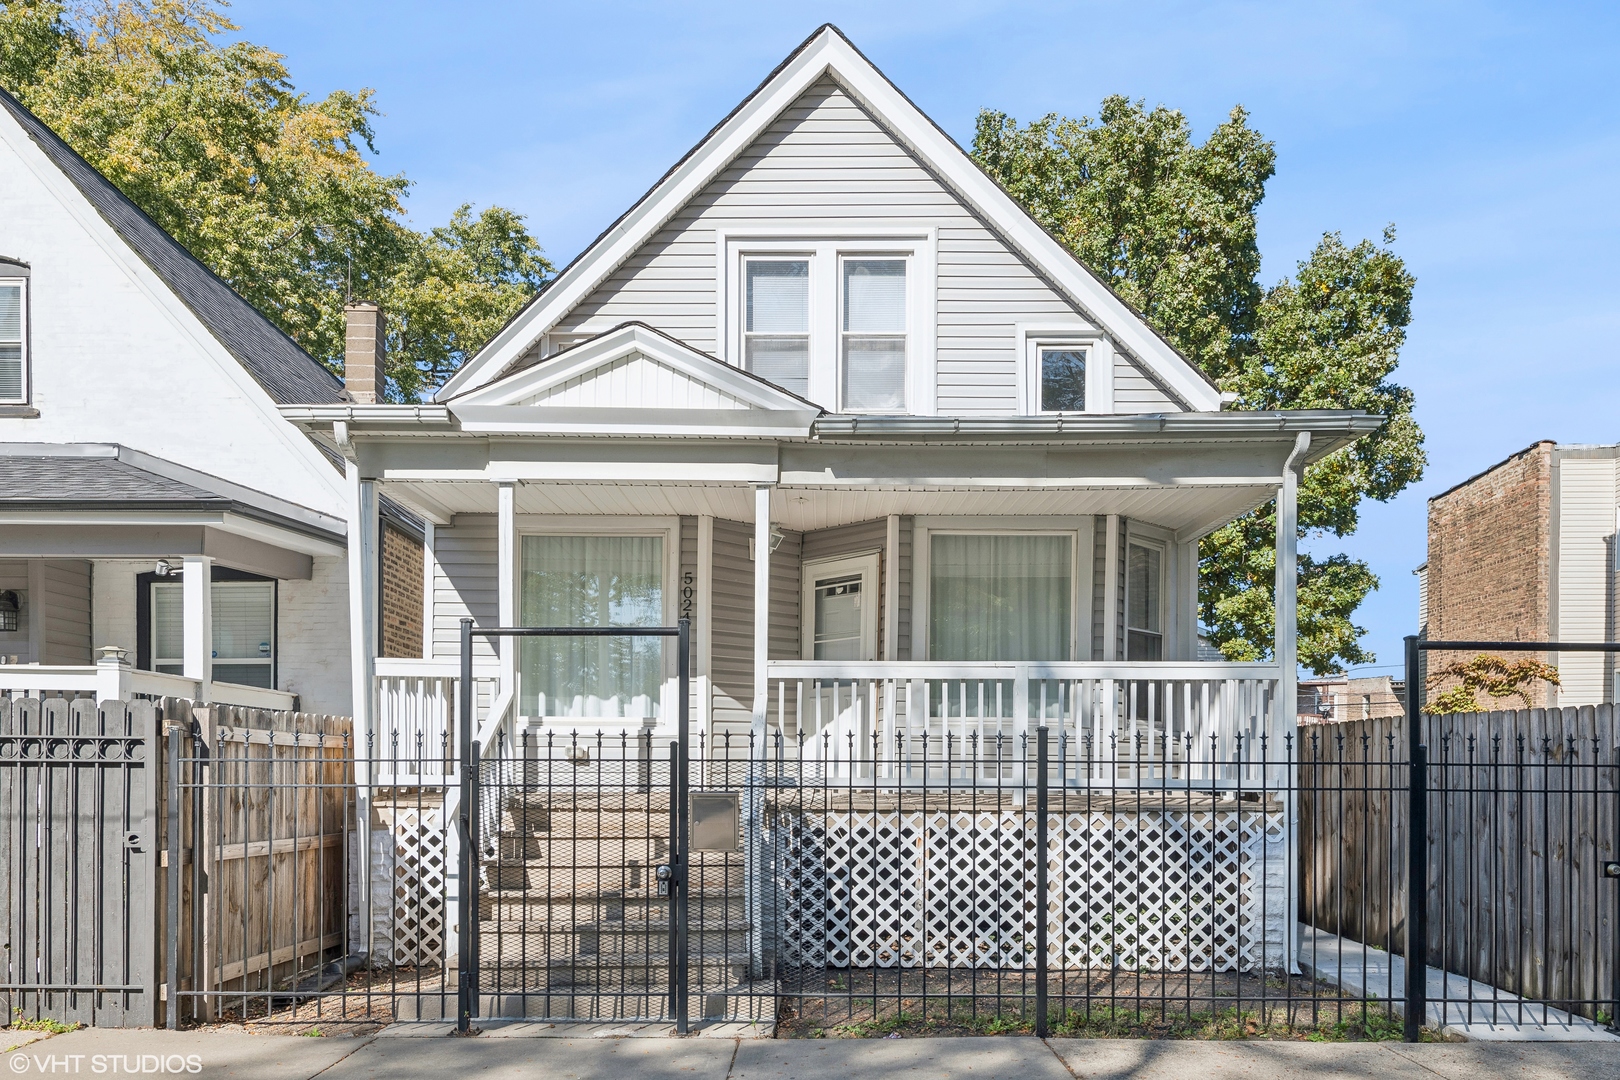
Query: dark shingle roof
(287,373)
(98,481)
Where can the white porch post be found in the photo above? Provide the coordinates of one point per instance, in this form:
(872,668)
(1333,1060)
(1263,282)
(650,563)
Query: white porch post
(762,612)
(362,608)
(197,620)
(430,571)
(506,593)
(1284,741)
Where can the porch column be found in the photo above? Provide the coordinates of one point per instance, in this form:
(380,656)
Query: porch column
(1287,615)
(506,555)
(362,605)
(197,623)
(762,611)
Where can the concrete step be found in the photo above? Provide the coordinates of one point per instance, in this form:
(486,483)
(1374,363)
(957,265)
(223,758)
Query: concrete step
(517,905)
(746,1002)
(616,972)
(598,879)
(581,849)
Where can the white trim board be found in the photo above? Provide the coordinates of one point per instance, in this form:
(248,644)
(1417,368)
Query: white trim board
(828,53)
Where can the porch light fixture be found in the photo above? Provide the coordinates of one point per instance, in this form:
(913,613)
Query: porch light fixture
(9,609)
(165,568)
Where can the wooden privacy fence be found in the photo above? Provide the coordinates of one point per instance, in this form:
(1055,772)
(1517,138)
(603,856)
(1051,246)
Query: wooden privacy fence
(154,844)
(1523,813)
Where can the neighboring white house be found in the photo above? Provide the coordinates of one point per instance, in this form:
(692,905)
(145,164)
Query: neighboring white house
(139,434)
(826,334)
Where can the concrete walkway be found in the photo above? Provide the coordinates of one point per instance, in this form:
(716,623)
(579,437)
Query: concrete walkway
(438,1057)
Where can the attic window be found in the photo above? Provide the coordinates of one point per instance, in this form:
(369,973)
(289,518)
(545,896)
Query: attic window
(776,338)
(13,339)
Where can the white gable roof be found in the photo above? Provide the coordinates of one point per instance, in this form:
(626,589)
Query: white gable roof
(634,380)
(829,54)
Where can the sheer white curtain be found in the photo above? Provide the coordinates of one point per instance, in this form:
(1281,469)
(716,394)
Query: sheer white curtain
(999,597)
(591,581)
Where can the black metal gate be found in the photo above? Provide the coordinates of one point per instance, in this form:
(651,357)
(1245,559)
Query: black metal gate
(79,818)
(575,846)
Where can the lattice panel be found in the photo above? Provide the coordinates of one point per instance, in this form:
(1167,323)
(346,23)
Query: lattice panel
(1150,890)
(419,869)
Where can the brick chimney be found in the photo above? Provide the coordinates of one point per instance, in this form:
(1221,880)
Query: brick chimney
(363,340)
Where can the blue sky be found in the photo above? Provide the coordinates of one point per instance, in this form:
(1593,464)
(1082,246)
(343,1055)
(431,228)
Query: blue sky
(1486,132)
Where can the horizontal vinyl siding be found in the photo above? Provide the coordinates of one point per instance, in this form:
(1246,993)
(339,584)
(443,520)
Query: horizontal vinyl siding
(67,612)
(732,607)
(1135,392)
(465,582)
(825,163)
(1586,526)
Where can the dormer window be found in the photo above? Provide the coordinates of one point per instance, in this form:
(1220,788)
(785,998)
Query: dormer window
(776,337)
(13,338)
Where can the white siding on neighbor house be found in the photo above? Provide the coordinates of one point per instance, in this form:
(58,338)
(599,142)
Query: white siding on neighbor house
(312,638)
(635,382)
(67,610)
(465,582)
(110,363)
(826,164)
(112,603)
(1586,528)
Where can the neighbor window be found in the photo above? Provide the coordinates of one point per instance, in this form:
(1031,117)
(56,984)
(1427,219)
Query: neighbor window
(592,581)
(13,361)
(776,338)
(1144,627)
(244,631)
(999,597)
(1063,379)
(873,360)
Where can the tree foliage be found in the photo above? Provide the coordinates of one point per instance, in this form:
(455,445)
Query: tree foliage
(1170,225)
(272,190)
(1495,676)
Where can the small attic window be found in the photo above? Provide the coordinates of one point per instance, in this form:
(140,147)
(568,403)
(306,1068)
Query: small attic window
(13,333)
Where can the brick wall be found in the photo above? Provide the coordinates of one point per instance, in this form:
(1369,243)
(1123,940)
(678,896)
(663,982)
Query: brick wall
(1489,555)
(401,594)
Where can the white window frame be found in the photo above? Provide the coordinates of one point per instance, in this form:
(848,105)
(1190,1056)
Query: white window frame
(13,274)
(179,661)
(666,528)
(868,566)
(814,303)
(1080,531)
(1099,366)
(826,249)
(1147,537)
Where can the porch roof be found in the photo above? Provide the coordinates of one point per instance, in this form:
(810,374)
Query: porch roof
(1189,473)
(92,500)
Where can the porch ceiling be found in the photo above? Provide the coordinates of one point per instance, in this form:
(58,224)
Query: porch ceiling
(1189,510)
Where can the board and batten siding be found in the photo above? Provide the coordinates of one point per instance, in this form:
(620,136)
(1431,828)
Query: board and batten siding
(1586,587)
(826,164)
(465,583)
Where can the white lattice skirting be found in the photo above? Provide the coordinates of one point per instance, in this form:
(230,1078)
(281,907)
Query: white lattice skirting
(411,849)
(1150,890)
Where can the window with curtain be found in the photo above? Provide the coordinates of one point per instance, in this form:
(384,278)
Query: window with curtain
(776,330)
(873,358)
(1003,597)
(13,381)
(591,581)
(244,631)
(1144,630)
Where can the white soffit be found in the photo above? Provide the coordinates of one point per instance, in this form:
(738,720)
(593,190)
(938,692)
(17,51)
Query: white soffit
(828,52)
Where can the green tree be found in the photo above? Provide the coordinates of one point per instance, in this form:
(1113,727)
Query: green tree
(270,189)
(1170,225)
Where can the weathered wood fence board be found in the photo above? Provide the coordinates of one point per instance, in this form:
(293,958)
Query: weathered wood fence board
(1523,812)
(88,843)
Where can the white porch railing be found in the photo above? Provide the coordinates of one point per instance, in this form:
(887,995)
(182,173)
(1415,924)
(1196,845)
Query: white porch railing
(117,681)
(1182,724)
(413,739)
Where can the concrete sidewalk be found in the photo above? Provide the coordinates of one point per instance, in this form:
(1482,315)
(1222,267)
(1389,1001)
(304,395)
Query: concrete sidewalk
(437,1057)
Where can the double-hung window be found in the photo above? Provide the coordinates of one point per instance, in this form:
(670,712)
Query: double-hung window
(872,344)
(13,339)
(244,620)
(776,333)
(1144,602)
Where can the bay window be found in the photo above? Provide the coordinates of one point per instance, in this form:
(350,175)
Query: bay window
(591,581)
